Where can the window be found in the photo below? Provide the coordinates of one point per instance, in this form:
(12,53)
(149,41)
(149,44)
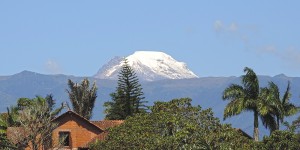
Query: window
(64,138)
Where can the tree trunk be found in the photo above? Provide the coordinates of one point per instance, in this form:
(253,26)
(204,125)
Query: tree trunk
(278,123)
(256,132)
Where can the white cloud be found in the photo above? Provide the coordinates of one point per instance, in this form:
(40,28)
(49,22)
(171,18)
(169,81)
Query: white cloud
(233,31)
(53,67)
(233,27)
(218,26)
(289,56)
(268,49)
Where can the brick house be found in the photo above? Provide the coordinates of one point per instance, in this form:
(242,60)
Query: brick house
(75,132)
(79,132)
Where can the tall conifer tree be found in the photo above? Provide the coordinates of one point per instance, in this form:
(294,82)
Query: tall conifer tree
(128,98)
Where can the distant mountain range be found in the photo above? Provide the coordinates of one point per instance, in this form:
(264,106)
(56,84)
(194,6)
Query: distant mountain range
(205,91)
(162,78)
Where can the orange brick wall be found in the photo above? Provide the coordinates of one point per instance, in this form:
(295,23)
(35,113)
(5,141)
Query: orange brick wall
(81,131)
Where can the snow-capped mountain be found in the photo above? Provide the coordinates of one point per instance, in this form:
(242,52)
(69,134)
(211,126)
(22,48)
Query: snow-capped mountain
(148,65)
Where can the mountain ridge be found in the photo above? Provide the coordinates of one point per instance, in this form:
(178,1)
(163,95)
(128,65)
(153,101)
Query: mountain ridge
(205,91)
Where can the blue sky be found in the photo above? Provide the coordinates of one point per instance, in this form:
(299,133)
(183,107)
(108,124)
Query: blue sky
(214,38)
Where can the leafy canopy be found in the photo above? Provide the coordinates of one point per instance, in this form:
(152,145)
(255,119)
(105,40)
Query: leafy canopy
(173,125)
(30,122)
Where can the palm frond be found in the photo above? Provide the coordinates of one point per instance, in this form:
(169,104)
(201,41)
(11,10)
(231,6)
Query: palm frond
(251,84)
(269,122)
(232,92)
(287,93)
(290,109)
(274,90)
(268,104)
(234,107)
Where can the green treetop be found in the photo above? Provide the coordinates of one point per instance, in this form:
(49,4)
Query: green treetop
(127,100)
(82,97)
(174,125)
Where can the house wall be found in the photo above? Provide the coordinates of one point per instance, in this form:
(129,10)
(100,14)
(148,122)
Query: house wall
(80,130)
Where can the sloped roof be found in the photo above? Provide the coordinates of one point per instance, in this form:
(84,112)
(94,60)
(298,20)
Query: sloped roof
(102,125)
(78,116)
(243,133)
(105,124)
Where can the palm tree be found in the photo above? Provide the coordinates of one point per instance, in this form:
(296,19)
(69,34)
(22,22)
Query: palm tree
(269,106)
(244,98)
(82,97)
(289,108)
(274,107)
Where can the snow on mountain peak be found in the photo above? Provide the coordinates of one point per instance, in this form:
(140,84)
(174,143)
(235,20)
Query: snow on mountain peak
(149,65)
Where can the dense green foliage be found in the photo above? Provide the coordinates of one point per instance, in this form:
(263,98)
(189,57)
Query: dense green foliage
(128,98)
(82,97)
(174,125)
(33,118)
(282,140)
(3,127)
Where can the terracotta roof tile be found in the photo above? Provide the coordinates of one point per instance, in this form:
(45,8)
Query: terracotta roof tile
(105,124)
